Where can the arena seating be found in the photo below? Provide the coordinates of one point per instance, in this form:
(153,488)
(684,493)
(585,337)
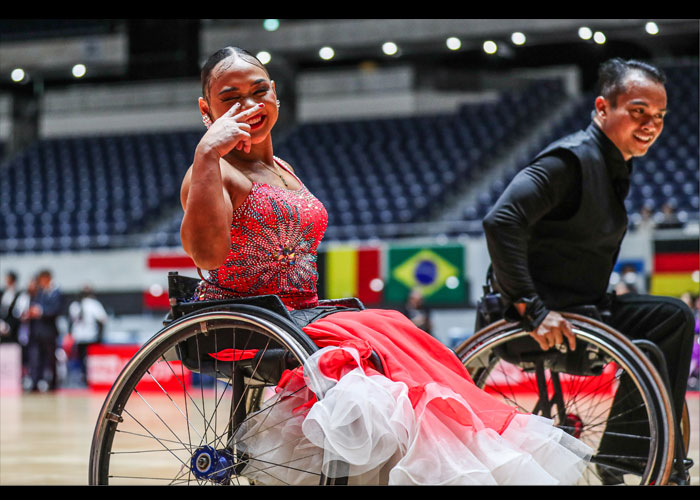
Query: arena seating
(91,192)
(109,191)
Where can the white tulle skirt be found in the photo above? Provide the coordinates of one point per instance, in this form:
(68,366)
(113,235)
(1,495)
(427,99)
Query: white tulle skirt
(368,422)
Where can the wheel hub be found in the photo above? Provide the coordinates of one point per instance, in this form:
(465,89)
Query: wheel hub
(212,465)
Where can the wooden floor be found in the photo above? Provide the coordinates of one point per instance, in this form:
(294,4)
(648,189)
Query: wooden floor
(45,438)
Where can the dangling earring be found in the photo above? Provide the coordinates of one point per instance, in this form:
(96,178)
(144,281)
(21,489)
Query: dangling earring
(278,104)
(206,120)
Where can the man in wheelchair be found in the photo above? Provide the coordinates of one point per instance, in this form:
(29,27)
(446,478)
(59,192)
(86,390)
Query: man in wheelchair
(555,233)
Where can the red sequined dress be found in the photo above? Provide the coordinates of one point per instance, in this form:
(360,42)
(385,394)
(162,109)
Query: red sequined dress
(274,236)
(422,422)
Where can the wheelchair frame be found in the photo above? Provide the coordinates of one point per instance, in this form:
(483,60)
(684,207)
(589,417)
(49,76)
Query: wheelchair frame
(277,334)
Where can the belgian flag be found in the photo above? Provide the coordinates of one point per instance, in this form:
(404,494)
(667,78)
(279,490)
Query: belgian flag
(676,267)
(350,271)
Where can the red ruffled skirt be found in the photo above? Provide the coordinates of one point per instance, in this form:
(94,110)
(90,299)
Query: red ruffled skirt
(421,422)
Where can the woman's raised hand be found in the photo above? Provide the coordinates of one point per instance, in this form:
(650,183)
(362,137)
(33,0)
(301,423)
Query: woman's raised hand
(230,131)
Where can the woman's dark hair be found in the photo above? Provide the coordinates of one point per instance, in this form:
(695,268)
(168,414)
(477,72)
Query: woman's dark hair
(219,56)
(612,73)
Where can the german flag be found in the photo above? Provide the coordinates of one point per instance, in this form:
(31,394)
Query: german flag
(676,267)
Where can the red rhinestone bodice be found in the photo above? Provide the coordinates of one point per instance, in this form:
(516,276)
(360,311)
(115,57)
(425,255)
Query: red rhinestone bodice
(274,237)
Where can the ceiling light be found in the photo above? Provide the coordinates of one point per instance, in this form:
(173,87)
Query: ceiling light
(264,57)
(585,33)
(453,43)
(390,48)
(517,38)
(17,75)
(79,70)
(490,47)
(599,37)
(652,28)
(271,24)
(326,53)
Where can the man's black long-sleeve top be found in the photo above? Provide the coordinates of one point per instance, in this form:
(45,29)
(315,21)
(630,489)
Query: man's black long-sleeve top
(554,234)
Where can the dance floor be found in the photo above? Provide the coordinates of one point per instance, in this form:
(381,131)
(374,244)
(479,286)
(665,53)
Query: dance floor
(45,438)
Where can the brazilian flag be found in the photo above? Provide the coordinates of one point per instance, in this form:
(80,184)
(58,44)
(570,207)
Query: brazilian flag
(437,271)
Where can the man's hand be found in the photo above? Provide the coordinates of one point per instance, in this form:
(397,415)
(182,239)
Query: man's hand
(552,331)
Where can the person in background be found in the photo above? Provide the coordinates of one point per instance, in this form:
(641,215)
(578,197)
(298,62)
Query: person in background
(646,219)
(669,218)
(42,314)
(87,320)
(9,321)
(21,311)
(416,311)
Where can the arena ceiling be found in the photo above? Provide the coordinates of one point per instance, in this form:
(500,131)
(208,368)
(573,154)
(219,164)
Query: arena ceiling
(126,49)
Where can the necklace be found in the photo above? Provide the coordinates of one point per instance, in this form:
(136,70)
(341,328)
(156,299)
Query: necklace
(276,171)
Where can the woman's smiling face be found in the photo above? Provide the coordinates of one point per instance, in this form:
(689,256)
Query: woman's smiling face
(238,81)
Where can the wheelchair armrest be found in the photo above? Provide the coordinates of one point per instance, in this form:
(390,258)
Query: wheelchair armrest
(350,302)
(181,289)
(271,303)
(590,311)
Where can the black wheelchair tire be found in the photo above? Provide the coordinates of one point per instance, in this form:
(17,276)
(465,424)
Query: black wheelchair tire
(645,375)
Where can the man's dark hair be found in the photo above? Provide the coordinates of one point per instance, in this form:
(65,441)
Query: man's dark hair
(44,273)
(612,73)
(219,56)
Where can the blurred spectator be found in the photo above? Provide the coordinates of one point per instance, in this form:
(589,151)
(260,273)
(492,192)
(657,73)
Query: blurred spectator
(646,219)
(43,333)
(87,319)
(21,310)
(669,218)
(687,297)
(9,321)
(629,276)
(416,311)
(626,281)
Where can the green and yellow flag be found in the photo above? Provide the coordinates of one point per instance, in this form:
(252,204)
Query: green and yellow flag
(437,272)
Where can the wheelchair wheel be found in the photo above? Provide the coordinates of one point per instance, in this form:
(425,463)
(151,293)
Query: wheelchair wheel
(606,393)
(176,415)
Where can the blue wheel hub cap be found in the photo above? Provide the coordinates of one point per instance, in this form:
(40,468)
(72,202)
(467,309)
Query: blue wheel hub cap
(212,465)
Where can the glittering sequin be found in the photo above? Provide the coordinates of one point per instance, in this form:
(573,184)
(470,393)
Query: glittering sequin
(274,237)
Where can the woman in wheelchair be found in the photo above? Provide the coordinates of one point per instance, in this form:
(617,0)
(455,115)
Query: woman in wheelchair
(413,417)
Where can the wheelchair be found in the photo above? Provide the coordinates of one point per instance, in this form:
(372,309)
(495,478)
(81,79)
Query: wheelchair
(178,415)
(636,437)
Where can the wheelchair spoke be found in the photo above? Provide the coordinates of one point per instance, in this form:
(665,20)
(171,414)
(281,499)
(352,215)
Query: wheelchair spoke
(144,478)
(161,442)
(173,401)
(150,436)
(158,427)
(283,465)
(620,414)
(267,409)
(612,404)
(159,417)
(133,452)
(201,386)
(246,387)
